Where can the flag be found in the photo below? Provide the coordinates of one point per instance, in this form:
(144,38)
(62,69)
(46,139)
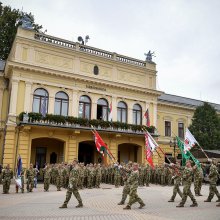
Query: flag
(189,141)
(146,115)
(19,166)
(148,150)
(188,155)
(43,109)
(101,146)
(110,112)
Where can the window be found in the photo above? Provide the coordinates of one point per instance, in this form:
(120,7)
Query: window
(167,128)
(102,110)
(137,114)
(96,70)
(40,100)
(122,112)
(61,104)
(84,107)
(181,130)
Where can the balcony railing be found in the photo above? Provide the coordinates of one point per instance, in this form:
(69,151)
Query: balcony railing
(89,50)
(82,123)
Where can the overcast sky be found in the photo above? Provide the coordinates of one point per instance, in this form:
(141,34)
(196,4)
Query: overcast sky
(185,35)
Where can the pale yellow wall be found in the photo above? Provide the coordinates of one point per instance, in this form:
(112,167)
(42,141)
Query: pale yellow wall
(21,95)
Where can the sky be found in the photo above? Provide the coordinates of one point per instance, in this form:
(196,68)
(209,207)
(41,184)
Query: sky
(184,34)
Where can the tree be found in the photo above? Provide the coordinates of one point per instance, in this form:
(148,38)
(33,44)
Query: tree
(8,28)
(206,127)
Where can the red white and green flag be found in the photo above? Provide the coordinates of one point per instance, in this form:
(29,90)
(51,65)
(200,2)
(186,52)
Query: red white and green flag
(147,116)
(101,146)
(110,112)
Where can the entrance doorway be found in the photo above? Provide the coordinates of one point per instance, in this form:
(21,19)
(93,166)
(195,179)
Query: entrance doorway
(129,152)
(87,152)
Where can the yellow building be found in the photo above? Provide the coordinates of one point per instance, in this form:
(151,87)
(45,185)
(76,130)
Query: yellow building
(45,74)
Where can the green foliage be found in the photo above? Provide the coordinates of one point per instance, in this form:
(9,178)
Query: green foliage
(8,28)
(59,119)
(206,127)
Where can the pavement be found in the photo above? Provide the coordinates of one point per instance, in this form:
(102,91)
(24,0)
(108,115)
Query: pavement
(101,204)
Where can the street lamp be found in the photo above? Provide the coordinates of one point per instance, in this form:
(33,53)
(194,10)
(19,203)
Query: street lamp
(173,144)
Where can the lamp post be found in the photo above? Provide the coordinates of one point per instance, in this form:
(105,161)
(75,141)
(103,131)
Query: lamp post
(173,144)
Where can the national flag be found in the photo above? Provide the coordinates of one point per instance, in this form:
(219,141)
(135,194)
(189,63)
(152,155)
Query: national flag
(189,141)
(188,155)
(146,115)
(19,166)
(110,112)
(148,150)
(43,109)
(101,146)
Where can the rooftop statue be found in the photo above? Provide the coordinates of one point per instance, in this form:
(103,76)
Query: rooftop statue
(26,22)
(149,56)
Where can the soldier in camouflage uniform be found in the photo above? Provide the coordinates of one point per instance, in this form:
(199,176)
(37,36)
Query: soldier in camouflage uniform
(213,177)
(7,175)
(90,176)
(177,182)
(53,173)
(148,174)
(198,178)
(22,181)
(125,172)
(30,174)
(187,181)
(81,176)
(47,176)
(133,182)
(59,176)
(141,175)
(163,176)
(117,175)
(98,176)
(72,187)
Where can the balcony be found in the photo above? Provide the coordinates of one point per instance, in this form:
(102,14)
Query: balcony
(83,124)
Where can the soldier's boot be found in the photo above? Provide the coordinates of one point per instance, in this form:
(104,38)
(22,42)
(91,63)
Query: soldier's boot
(180,205)
(195,204)
(218,205)
(22,190)
(121,203)
(218,200)
(141,205)
(63,206)
(79,205)
(127,207)
(171,200)
(207,200)
(16,189)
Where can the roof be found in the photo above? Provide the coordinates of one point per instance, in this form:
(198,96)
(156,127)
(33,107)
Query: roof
(185,101)
(213,151)
(2,65)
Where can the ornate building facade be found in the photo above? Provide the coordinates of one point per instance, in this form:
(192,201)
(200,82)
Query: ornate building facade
(45,74)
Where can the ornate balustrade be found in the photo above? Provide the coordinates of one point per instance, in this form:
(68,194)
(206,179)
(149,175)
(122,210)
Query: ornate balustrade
(89,50)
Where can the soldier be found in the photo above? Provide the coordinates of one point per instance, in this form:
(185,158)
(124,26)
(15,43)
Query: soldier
(117,175)
(187,181)
(47,176)
(133,182)
(126,189)
(72,187)
(58,173)
(98,176)
(213,177)
(22,181)
(30,174)
(198,178)
(177,182)
(7,175)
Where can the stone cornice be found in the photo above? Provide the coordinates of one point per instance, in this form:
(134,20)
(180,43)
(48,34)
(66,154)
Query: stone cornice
(179,106)
(33,68)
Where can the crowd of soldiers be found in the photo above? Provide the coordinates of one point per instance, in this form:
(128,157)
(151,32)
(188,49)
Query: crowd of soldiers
(91,175)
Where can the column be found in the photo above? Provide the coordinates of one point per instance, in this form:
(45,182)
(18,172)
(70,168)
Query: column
(155,114)
(72,149)
(130,114)
(94,110)
(1,102)
(13,98)
(114,108)
(75,104)
(27,98)
(51,103)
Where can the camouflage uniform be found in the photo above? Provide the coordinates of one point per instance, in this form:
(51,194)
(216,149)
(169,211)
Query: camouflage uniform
(133,196)
(117,176)
(47,176)
(7,175)
(72,187)
(213,177)
(176,187)
(187,181)
(141,175)
(163,176)
(22,181)
(198,178)
(148,173)
(98,176)
(30,174)
(59,176)
(90,176)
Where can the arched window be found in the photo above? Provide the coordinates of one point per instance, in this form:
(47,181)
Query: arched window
(40,101)
(122,112)
(102,110)
(61,104)
(84,107)
(137,114)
